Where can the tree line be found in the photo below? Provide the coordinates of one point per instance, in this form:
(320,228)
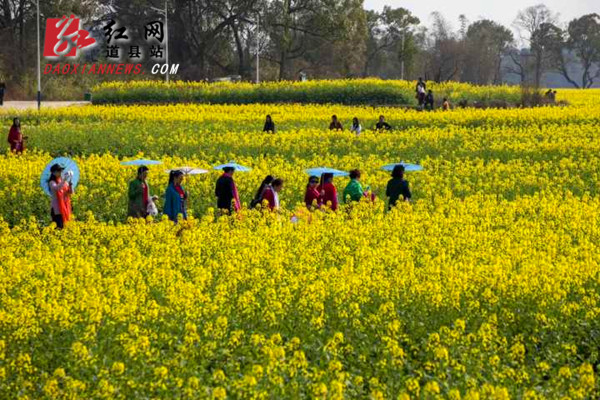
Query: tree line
(322,39)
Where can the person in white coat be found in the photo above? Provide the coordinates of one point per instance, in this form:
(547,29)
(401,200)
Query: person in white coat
(356,127)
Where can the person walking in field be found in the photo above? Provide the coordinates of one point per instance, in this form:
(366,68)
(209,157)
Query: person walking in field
(228,199)
(328,192)
(271,194)
(2,90)
(420,90)
(139,195)
(269,125)
(429,100)
(60,191)
(356,128)
(259,193)
(382,125)
(335,124)
(445,104)
(16,138)
(175,197)
(312,197)
(354,191)
(397,187)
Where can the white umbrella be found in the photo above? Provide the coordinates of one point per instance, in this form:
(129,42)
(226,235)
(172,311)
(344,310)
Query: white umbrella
(189,170)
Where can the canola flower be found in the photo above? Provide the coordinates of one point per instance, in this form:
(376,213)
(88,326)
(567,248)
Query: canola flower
(486,286)
(420,302)
(351,91)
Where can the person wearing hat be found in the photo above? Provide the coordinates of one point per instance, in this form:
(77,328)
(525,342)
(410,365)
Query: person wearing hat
(139,195)
(60,190)
(175,197)
(226,192)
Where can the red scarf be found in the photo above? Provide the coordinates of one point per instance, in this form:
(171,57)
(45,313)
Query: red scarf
(145,191)
(64,201)
(236,196)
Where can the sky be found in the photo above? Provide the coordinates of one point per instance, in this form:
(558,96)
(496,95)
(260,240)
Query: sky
(503,11)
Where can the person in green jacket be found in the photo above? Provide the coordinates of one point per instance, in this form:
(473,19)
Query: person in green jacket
(354,190)
(139,194)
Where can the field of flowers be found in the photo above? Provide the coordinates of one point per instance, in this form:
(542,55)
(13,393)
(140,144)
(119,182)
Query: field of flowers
(486,286)
(361,91)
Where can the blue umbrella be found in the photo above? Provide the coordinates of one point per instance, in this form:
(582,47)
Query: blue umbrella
(68,165)
(234,165)
(324,170)
(141,162)
(407,167)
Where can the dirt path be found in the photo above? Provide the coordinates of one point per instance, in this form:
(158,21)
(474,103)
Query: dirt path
(26,105)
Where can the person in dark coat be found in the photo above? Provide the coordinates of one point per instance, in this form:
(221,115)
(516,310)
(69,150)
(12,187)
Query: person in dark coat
(2,90)
(269,125)
(227,196)
(335,124)
(397,187)
(382,125)
(139,194)
(429,100)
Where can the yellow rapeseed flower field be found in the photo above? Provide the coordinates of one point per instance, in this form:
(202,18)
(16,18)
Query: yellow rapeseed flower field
(485,286)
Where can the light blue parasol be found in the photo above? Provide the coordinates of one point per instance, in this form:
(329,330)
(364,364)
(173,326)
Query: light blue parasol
(324,170)
(68,165)
(237,167)
(141,162)
(407,167)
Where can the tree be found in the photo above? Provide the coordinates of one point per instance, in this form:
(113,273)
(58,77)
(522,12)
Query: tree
(584,41)
(443,51)
(299,27)
(533,25)
(486,44)
(389,31)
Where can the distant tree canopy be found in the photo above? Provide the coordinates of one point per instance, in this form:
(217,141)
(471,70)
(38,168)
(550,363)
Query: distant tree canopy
(321,38)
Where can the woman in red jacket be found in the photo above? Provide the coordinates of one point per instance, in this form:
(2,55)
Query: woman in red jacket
(16,138)
(312,197)
(328,192)
(271,194)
